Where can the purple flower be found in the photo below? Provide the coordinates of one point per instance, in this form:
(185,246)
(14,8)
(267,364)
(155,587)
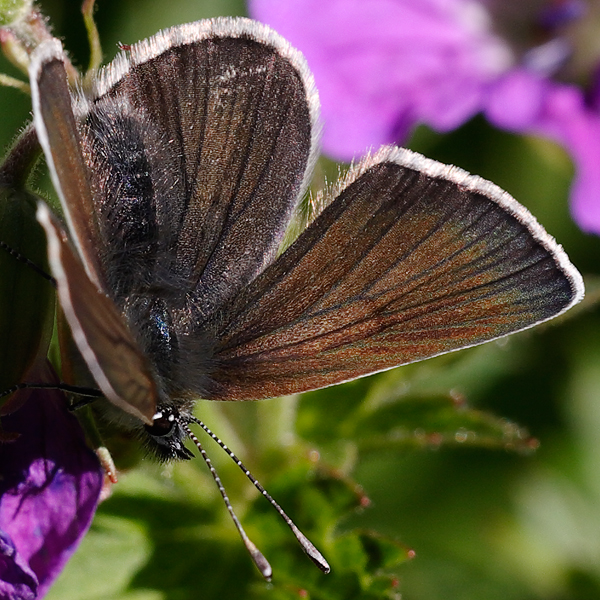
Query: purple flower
(49,490)
(383,66)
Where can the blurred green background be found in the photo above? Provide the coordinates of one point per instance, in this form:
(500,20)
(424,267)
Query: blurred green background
(440,448)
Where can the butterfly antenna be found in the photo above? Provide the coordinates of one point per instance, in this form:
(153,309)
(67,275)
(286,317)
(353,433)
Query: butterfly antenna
(90,394)
(259,560)
(18,256)
(304,542)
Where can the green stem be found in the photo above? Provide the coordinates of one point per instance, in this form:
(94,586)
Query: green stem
(8,81)
(87,10)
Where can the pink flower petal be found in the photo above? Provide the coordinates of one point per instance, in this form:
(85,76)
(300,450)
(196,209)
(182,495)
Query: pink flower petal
(384,65)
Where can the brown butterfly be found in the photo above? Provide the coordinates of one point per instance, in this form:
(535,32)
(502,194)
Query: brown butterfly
(179,173)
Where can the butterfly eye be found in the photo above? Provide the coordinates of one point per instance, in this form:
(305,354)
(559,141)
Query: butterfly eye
(167,435)
(163,424)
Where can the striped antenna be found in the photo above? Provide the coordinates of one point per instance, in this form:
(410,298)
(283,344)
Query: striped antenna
(18,256)
(259,560)
(304,542)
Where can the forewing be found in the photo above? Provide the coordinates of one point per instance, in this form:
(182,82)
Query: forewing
(411,260)
(112,355)
(58,135)
(198,142)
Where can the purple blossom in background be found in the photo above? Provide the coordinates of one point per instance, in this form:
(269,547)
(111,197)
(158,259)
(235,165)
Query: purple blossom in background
(384,66)
(49,490)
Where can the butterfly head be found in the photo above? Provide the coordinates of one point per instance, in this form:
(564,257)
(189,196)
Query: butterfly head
(167,434)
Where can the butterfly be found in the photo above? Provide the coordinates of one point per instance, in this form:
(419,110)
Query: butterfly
(179,173)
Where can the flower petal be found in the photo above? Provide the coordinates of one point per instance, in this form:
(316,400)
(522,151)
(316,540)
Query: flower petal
(515,100)
(48,493)
(17,580)
(383,66)
(569,121)
(523,101)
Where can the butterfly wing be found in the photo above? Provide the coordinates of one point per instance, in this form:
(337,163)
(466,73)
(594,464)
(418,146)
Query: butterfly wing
(57,132)
(411,260)
(112,355)
(198,144)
